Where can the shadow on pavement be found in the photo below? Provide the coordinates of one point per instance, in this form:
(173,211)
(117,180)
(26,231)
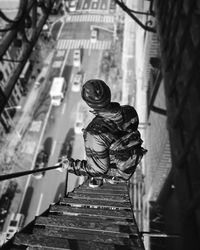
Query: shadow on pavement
(48,145)
(67,145)
(27,201)
(60,192)
(67,74)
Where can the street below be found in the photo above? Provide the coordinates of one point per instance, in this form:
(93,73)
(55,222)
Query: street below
(60,121)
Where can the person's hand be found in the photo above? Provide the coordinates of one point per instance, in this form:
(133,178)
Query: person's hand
(64,162)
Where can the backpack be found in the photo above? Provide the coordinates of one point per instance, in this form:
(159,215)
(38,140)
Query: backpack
(125,151)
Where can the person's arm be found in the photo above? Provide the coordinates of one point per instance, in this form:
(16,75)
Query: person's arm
(131,119)
(97,157)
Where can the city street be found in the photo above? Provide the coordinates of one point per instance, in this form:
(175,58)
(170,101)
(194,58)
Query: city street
(58,121)
(147,52)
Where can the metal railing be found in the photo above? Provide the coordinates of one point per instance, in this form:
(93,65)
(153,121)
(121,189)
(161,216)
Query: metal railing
(22,173)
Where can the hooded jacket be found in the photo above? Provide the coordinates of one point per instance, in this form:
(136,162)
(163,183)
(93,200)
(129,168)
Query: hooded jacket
(98,137)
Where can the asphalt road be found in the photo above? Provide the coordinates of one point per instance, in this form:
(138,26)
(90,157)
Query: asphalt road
(61,120)
(38,194)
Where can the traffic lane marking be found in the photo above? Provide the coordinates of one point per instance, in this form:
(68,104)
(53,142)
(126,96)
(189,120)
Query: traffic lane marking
(63,108)
(53,147)
(39,205)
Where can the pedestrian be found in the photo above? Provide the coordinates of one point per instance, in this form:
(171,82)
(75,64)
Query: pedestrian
(112,140)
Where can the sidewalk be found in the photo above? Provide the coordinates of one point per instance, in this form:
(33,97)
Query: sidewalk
(22,142)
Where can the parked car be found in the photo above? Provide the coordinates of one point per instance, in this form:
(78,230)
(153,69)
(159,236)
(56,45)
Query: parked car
(2,238)
(5,203)
(77,58)
(16,223)
(41,162)
(39,82)
(78,126)
(47,145)
(77,81)
(66,149)
(94,35)
(80,119)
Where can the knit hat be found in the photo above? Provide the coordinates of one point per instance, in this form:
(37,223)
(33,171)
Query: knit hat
(96,93)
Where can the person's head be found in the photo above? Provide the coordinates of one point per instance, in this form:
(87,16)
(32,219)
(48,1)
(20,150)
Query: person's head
(96,94)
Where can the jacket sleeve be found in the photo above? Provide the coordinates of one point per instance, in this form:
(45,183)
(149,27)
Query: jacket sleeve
(97,157)
(131,119)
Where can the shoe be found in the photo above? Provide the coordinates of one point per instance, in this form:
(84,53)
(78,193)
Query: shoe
(111,181)
(95,183)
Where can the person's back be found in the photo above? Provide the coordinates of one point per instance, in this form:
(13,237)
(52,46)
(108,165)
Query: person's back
(112,139)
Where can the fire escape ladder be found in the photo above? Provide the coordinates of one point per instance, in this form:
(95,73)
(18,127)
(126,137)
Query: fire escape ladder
(87,218)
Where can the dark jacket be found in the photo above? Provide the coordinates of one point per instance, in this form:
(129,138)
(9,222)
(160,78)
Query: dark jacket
(98,138)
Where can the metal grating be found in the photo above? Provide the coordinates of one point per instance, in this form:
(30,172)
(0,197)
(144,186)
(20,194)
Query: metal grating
(85,219)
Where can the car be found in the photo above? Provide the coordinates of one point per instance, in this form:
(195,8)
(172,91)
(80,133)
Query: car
(39,82)
(56,7)
(77,58)
(47,145)
(94,35)
(15,225)
(2,238)
(80,119)
(45,27)
(66,149)
(77,81)
(5,203)
(78,127)
(3,211)
(41,162)
(72,5)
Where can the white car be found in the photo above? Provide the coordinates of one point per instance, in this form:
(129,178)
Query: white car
(15,225)
(78,127)
(72,5)
(77,58)
(94,35)
(39,82)
(45,27)
(77,82)
(80,119)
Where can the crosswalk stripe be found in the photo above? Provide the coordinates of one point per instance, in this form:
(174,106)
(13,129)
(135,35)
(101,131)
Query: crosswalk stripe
(64,44)
(93,45)
(91,18)
(97,44)
(72,44)
(81,19)
(68,43)
(86,44)
(78,44)
(103,45)
(82,43)
(58,43)
(105,19)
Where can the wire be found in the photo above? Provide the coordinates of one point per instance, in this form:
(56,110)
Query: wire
(11,60)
